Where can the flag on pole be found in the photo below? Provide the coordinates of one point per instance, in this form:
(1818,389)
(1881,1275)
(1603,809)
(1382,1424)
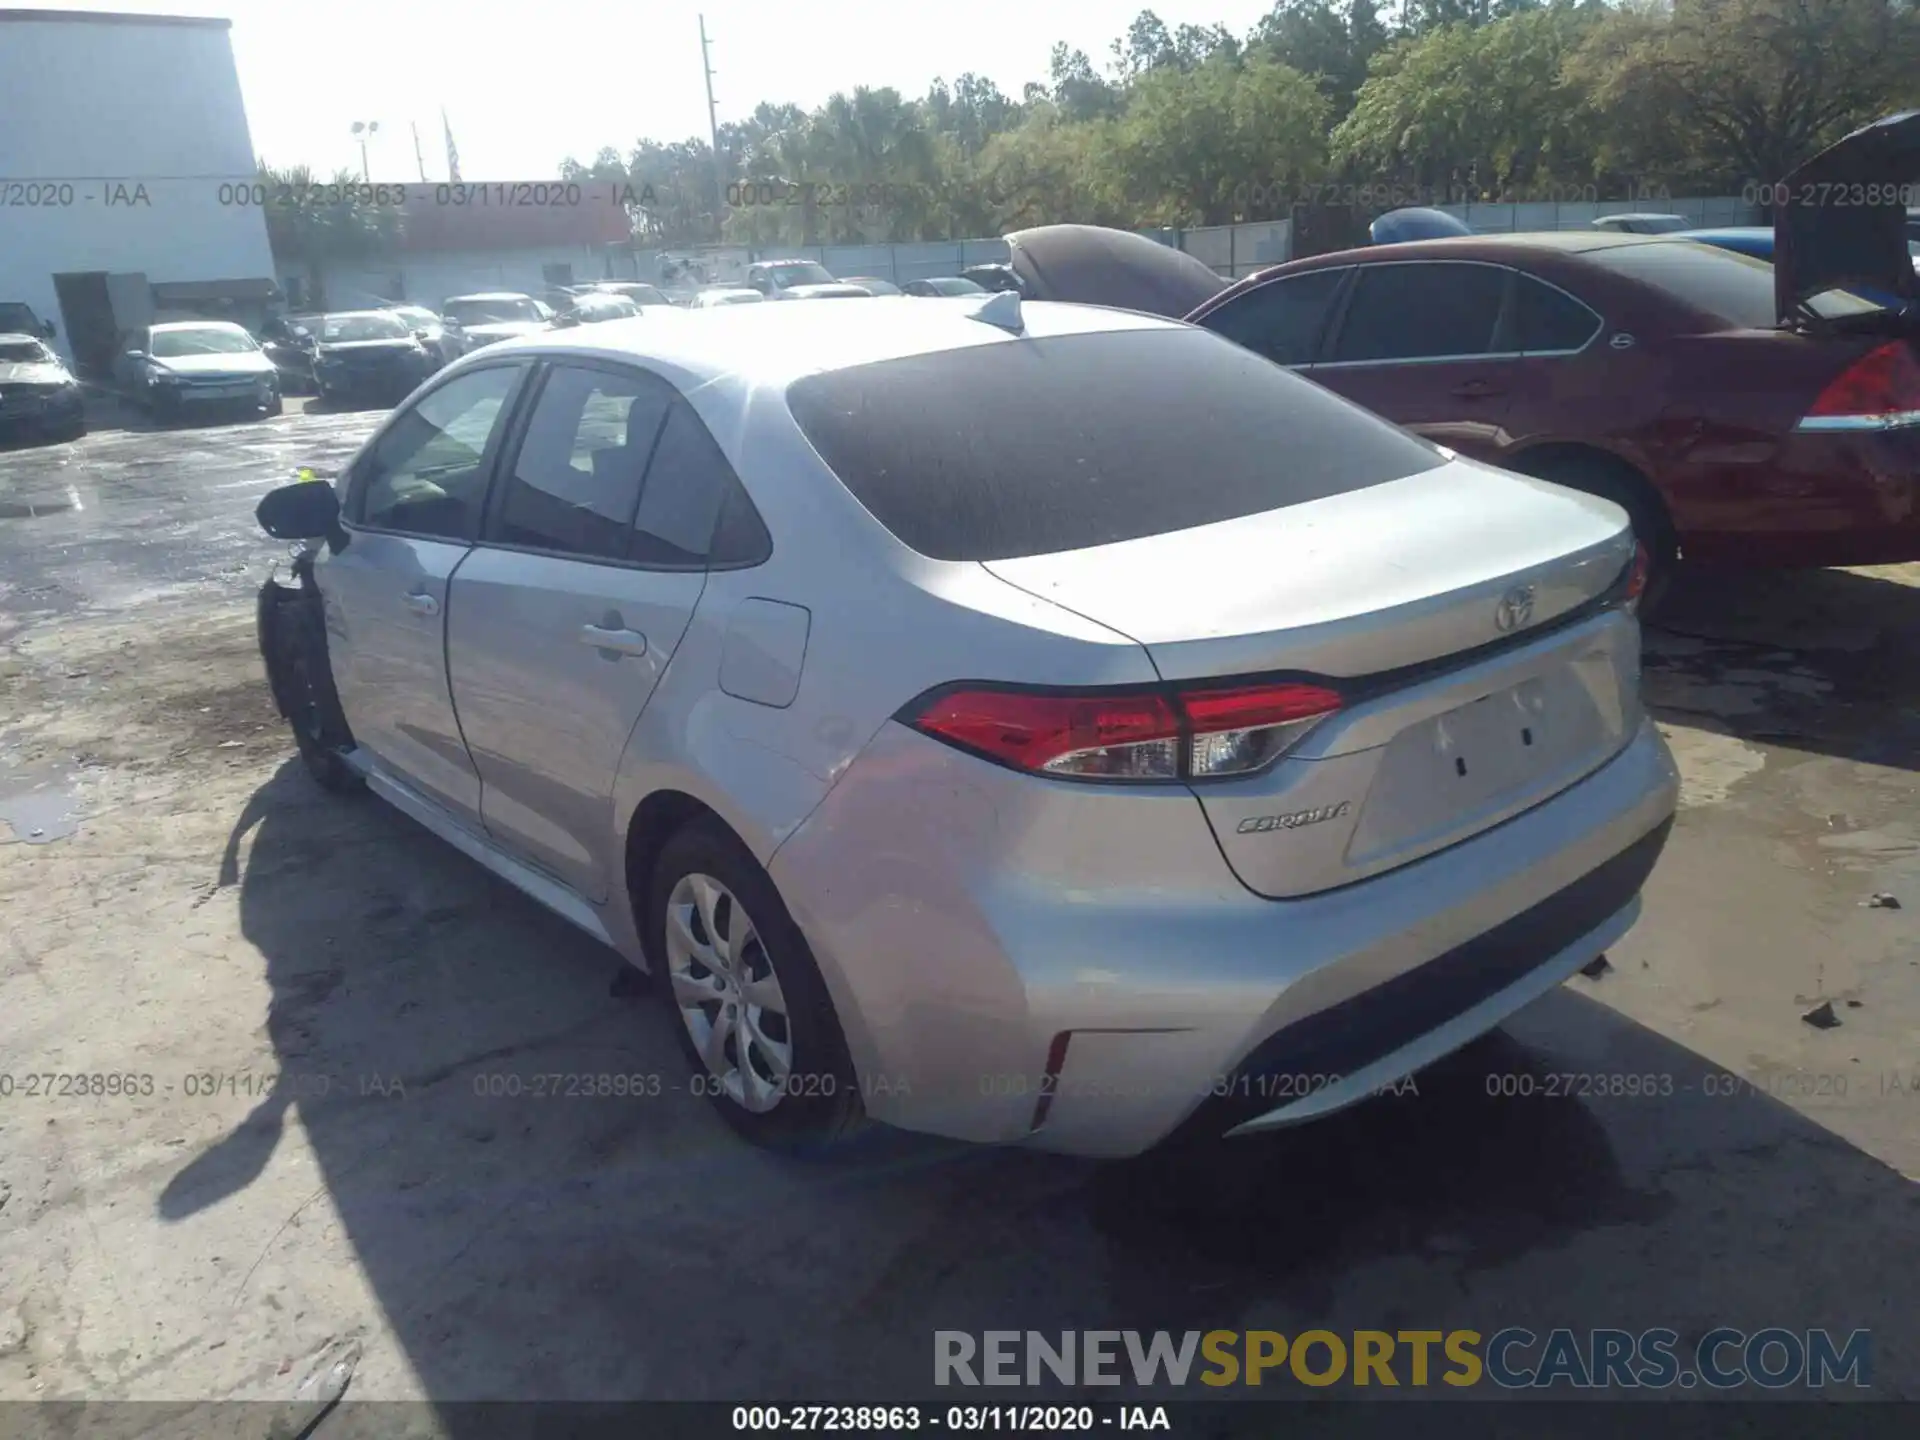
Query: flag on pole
(453,155)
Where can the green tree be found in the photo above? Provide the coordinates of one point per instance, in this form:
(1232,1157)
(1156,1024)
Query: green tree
(1219,143)
(1318,38)
(316,224)
(1477,110)
(1727,92)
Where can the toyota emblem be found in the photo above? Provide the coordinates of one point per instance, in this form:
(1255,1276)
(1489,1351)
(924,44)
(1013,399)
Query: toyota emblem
(1515,610)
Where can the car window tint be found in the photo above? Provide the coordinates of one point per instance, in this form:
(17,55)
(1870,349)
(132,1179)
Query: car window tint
(1550,319)
(688,486)
(577,476)
(1737,288)
(1092,439)
(1413,311)
(424,476)
(1283,319)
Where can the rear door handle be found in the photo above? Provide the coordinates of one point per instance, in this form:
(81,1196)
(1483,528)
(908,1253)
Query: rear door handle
(1477,390)
(422,603)
(623,642)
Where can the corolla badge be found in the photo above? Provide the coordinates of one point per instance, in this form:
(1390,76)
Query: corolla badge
(1260,824)
(1515,610)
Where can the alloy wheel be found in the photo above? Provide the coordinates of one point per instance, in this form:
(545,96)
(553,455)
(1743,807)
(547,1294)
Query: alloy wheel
(727,993)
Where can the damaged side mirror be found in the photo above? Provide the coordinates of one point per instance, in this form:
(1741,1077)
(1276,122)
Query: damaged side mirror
(304,510)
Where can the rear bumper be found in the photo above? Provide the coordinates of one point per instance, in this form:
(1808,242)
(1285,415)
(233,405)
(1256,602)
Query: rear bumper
(1082,973)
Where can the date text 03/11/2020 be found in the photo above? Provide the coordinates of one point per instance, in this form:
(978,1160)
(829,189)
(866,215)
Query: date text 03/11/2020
(963,1419)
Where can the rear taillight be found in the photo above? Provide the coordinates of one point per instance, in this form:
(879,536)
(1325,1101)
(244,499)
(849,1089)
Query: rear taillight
(1198,733)
(1637,573)
(1879,391)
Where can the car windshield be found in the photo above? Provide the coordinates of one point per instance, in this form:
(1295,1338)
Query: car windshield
(800,272)
(202,340)
(24,352)
(638,294)
(374,325)
(17,317)
(504,310)
(1094,439)
(956,285)
(418,318)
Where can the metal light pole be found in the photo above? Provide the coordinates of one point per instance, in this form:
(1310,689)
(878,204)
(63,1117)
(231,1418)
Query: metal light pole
(365,130)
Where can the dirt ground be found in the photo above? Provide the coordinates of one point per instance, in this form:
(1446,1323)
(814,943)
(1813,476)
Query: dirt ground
(252,1039)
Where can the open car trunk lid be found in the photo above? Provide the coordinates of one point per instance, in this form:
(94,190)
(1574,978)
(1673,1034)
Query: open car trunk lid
(1844,226)
(1460,612)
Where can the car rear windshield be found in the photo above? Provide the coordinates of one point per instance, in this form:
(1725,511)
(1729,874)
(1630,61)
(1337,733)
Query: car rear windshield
(202,340)
(346,329)
(1037,446)
(24,352)
(1737,288)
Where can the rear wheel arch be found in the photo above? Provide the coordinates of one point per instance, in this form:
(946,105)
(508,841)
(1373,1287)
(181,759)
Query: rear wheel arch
(1601,472)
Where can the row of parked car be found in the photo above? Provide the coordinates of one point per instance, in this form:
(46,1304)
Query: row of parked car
(192,368)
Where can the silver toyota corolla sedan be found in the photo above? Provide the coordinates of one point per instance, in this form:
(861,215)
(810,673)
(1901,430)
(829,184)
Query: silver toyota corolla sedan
(1024,723)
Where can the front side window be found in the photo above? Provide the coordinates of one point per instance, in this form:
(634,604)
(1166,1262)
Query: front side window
(1283,320)
(577,478)
(1420,310)
(425,474)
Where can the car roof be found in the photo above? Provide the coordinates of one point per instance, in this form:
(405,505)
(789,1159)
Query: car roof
(1640,215)
(1486,247)
(489,295)
(197,325)
(351,314)
(774,345)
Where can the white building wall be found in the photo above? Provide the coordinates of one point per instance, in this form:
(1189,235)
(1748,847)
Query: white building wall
(116,138)
(427,278)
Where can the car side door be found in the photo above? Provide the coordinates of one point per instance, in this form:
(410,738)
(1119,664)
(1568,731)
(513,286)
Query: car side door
(1286,319)
(594,555)
(413,507)
(1423,343)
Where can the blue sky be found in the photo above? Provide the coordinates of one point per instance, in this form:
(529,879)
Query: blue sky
(528,83)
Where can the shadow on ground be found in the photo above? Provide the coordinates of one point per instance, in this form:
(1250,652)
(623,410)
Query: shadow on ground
(525,1240)
(1825,661)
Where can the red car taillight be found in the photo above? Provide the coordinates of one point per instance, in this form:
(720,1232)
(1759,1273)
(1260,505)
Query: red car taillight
(1879,391)
(1637,574)
(1198,733)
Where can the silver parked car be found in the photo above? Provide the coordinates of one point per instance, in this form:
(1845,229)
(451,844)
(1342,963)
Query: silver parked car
(1186,747)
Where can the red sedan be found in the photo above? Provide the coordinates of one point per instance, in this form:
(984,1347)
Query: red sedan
(1650,370)
(1764,414)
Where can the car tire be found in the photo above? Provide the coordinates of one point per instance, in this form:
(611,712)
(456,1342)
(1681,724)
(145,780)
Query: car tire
(797,1090)
(276,406)
(308,696)
(1596,474)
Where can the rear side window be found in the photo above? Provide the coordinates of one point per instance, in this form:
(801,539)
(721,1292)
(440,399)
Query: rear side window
(1737,288)
(1283,319)
(693,510)
(1420,311)
(1547,319)
(1037,446)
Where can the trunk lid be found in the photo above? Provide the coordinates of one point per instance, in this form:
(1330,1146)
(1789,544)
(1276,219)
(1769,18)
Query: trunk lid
(1430,602)
(1826,239)
(1349,586)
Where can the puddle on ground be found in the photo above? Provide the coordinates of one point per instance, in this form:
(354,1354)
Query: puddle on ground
(39,808)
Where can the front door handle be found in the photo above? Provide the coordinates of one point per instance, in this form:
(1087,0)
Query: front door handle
(1477,390)
(614,638)
(422,603)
